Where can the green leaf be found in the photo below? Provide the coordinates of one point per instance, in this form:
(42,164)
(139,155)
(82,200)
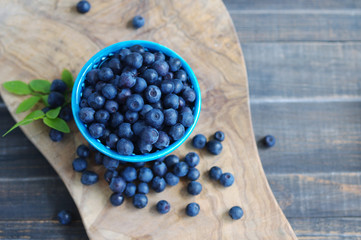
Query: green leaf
(44,98)
(67,77)
(53,113)
(27,104)
(17,87)
(57,123)
(37,114)
(39,85)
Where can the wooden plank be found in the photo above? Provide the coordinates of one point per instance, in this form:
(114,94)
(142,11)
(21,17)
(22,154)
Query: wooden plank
(303,70)
(311,138)
(44,229)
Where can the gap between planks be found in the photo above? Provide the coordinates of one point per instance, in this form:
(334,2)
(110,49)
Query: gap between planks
(297,11)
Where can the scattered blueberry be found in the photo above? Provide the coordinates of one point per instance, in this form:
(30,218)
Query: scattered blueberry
(235,213)
(58,86)
(130,190)
(158,184)
(159,168)
(194,188)
(56,135)
(215,147)
(89,177)
(171,179)
(66,114)
(215,173)
(226,179)
(199,141)
(192,209)
(98,158)
(145,174)
(269,141)
(117,184)
(109,174)
(140,200)
(79,164)
(129,174)
(143,188)
(116,199)
(171,160)
(163,206)
(193,174)
(219,136)
(64,217)
(55,99)
(83,6)
(138,22)
(192,159)
(180,169)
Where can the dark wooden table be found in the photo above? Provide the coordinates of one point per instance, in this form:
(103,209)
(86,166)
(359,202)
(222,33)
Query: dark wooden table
(303,60)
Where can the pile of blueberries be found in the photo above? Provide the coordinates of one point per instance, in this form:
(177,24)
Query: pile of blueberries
(137,101)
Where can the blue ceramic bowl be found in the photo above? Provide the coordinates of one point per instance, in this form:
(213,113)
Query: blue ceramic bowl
(94,63)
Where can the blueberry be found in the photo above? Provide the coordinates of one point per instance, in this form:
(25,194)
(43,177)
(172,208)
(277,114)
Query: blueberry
(145,110)
(109,174)
(143,188)
(148,58)
(138,164)
(171,160)
(181,75)
(79,164)
(176,132)
(178,86)
(117,184)
(192,209)
(89,177)
(127,80)
(163,140)
(174,64)
(105,74)
(159,168)
(111,140)
(154,118)
(186,119)
(102,116)
(159,56)
(134,60)
(92,76)
(145,174)
(171,179)
(150,75)
(158,184)
(83,151)
(140,85)
(123,95)
(109,91)
(226,179)
(131,116)
(236,213)
(186,109)
(56,135)
(130,190)
(129,174)
(115,65)
(111,106)
(125,147)
(110,163)
(55,99)
(66,114)
(83,6)
(163,206)
(161,67)
(123,53)
(194,188)
(215,173)
(138,22)
(86,115)
(137,48)
(135,103)
(96,130)
(131,70)
(144,147)
(96,101)
(99,86)
(171,101)
(58,86)
(64,217)
(182,104)
(170,117)
(269,141)
(83,103)
(199,141)
(193,174)
(215,147)
(88,91)
(189,95)
(116,199)
(150,135)
(180,169)
(219,136)
(125,130)
(45,109)
(140,200)
(138,127)
(167,86)
(116,119)
(98,158)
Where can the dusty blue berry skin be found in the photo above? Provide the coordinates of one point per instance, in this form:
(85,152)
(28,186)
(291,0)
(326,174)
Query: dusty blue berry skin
(189,95)
(134,60)
(83,6)
(99,86)
(178,86)
(236,212)
(163,206)
(167,86)
(111,106)
(129,174)
(130,190)
(158,184)
(163,140)
(88,91)
(131,116)
(185,109)
(193,174)
(174,64)
(102,116)
(140,200)
(137,48)
(98,158)
(140,85)
(171,101)
(138,127)
(55,99)
(117,184)
(148,58)
(145,110)
(170,117)
(181,75)
(159,168)
(177,131)
(83,103)
(58,86)
(145,174)
(215,173)
(111,140)
(125,147)
(171,160)
(125,130)
(96,101)
(186,119)
(171,179)
(226,179)
(135,103)
(123,95)
(110,163)
(215,147)
(269,141)
(180,169)
(149,135)
(66,114)
(159,56)
(56,135)
(161,67)
(154,118)
(123,53)
(152,94)
(115,65)
(109,174)
(194,188)
(150,76)
(192,209)
(64,217)
(138,22)
(105,74)
(79,164)
(192,159)
(219,136)
(89,178)
(109,91)
(92,76)
(116,119)
(96,130)
(143,188)
(199,141)
(116,199)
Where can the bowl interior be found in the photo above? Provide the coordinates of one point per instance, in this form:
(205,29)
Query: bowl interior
(94,63)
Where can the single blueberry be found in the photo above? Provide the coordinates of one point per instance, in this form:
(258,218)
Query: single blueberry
(144,147)
(186,119)
(92,76)
(138,22)
(140,200)
(116,199)
(131,116)
(171,160)
(105,74)
(170,117)
(171,179)
(96,130)
(99,86)
(116,119)
(83,151)
(129,174)
(215,173)
(194,188)
(149,135)
(148,58)
(123,53)
(86,115)
(117,184)
(125,130)
(66,114)
(134,60)
(130,190)
(138,127)
(176,132)
(180,169)
(115,65)
(167,86)
(110,163)
(145,110)
(178,86)
(159,56)
(192,209)
(109,174)
(111,106)
(111,140)
(199,141)
(64,217)
(123,95)
(193,174)
(125,147)
(163,140)
(89,177)
(145,174)
(226,179)
(58,86)
(137,48)
(56,135)
(174,64)
(140,85)
(102,116)
(143,188)
(88,91)
(79,164)
(159,168)
(55,99)
(158,184)
(109,91)
(269,141)
(215,147)
(161,67)
(150,75)
(189,95)
(182,103)
(163,206)
(98,158)
(181,75)
(135,103)
(185,109)
(219,135)
(83,6)
(154,118)
(171,101)
(96,101)
(127,80)
(236,213)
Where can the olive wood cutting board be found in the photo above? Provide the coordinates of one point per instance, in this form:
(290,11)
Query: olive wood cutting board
(40,38)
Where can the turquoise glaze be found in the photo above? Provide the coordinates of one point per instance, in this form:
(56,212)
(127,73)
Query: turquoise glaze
(94,62)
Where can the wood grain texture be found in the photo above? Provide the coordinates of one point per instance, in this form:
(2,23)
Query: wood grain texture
(217,60)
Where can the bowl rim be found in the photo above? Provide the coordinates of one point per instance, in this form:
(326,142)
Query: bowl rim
(101,55)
